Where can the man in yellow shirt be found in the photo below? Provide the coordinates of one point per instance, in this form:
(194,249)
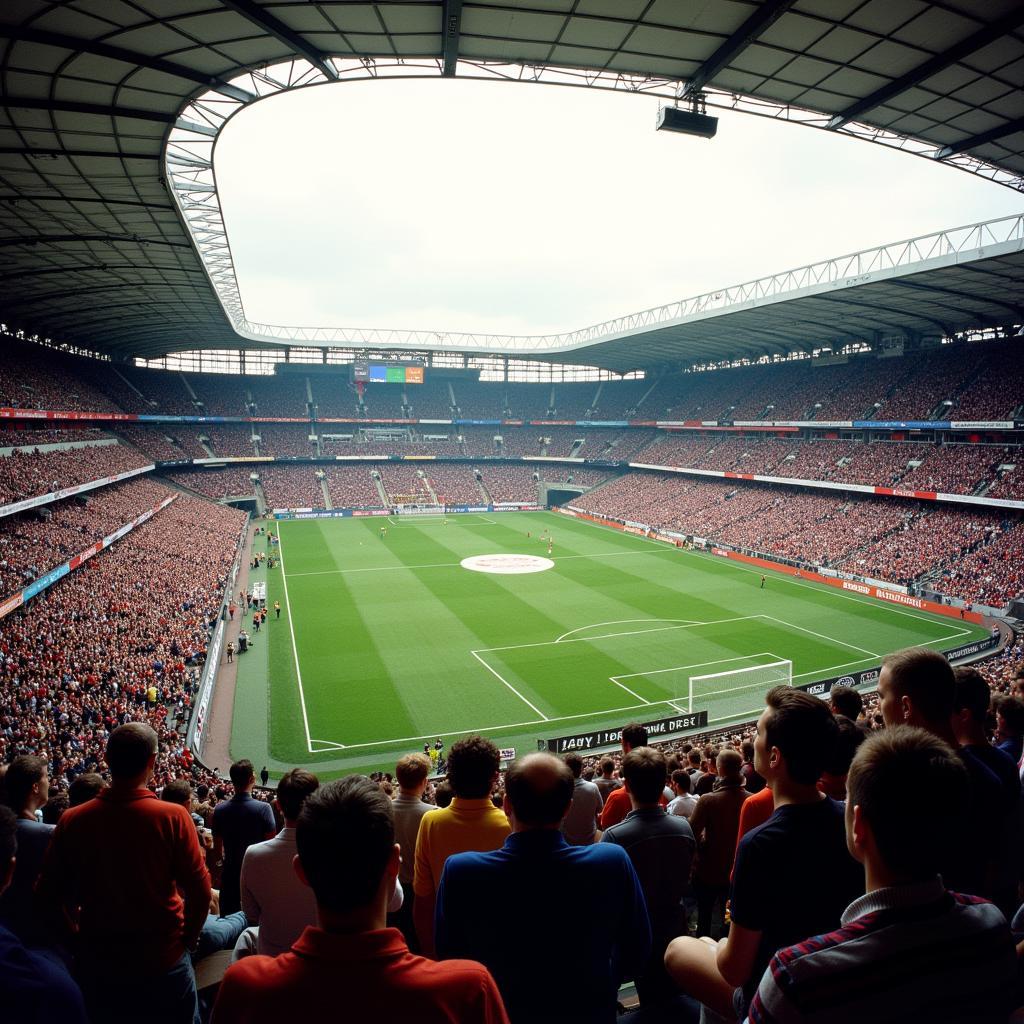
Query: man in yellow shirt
(470,823)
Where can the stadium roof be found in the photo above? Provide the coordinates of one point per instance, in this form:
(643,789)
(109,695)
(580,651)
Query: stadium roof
(110,109)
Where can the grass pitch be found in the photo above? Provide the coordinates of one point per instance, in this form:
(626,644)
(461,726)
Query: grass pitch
(385,644)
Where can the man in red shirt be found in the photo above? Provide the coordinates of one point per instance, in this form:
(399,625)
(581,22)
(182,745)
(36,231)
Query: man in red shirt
(617,804)
(126,870)
(348,856)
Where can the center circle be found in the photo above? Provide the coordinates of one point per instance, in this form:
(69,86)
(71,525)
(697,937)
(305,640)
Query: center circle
(507,565)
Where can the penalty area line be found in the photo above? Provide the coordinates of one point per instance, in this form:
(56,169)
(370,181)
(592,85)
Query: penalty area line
(497,675)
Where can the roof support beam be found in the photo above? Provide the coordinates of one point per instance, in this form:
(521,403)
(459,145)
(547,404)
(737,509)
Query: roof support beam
(129,57)
(451,27)
(105,154)
(765,15)
(1000,27)
(73,269)
(31,240)
(75,107)
(266,21)
(1017,311)
(981,139)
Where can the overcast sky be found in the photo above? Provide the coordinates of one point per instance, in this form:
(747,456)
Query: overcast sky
(514,209)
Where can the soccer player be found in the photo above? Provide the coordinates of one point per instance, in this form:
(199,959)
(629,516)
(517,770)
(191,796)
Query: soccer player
(763,578)
(277,609)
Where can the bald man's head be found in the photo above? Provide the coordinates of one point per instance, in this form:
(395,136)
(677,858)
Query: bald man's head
(539,788)
(130,749)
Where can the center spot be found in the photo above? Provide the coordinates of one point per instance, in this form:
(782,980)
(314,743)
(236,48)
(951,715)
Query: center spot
(506,565)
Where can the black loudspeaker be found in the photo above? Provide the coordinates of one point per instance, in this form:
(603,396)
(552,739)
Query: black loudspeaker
(674,119)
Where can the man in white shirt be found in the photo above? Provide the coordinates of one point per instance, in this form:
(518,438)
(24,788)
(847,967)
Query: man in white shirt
(685,802)
(273,898)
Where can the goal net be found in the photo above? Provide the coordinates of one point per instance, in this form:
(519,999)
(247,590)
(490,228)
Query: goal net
(739,691)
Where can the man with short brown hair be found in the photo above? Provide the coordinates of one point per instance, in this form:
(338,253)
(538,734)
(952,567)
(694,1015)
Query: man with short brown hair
(127,869)
(411,773)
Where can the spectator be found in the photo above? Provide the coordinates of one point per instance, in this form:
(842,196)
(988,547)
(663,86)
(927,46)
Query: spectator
(775,901)
(35,986)
(684,802)
(1010,725)
(752,782)
(489,905)
(833,778)
(617,805)
(28,788)
(275,903)
(916,686)
(127,870)
(409,808)
(606,781)
(472,822)
(237,824)
(580,824)
(218,933)
(715,823)
(845,700)
(348,856)
(85,787)
(661,847)
(908,949)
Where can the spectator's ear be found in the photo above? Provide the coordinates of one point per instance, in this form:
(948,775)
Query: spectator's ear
(300,872)
(859,837)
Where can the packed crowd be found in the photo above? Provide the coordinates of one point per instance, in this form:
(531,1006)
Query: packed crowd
(974,555)
(286,440)
(121,638)
(965,382)
(38,540)
(229,482)
(351,487)
(14,438)
(164,443)
(680,867)
(30,474)
(291,486)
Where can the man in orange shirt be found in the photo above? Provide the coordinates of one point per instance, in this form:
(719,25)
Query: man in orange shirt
(127,870)
(617,804)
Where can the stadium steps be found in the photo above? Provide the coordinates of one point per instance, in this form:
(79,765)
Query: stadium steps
(385,500)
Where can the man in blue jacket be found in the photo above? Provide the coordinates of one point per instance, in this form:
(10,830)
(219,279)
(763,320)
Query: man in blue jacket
(559,926)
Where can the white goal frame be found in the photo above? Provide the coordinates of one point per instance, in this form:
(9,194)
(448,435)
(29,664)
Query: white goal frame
(733,680)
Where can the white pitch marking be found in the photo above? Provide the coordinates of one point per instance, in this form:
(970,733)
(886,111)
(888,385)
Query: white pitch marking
(502,679)
(830,639)
(620,622)
(295,653)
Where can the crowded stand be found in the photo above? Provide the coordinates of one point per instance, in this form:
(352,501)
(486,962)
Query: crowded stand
(15,438)
(220,394)
(164,443)
(229,482)
(574,401)
(36,377)
(383,401)
(956,468)
(230,440)
(509,482)
(896,541)
(291,486)
(163,392)
(925,387)
(285,440)
(33,542)
(997,392)
(475,399)
(121,639)
(28,475)
(993,573)
(431,400)
(521,443)
(454,484)
(334,394)
(529,401)
(1009,483)
(280,394)
(404,483)
(351,486)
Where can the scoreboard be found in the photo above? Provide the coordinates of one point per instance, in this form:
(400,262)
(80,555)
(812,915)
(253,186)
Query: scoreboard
(377,371)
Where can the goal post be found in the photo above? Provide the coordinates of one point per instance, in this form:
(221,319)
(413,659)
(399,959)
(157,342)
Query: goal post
(739,690)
